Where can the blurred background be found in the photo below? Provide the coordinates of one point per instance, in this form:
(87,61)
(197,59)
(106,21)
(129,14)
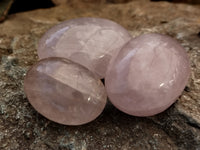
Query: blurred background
(14,6)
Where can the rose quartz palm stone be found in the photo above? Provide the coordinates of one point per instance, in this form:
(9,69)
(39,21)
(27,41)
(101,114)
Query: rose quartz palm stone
(147,75)
(90,42)
(64,91)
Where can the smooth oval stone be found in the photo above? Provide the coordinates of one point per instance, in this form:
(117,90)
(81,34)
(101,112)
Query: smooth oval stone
(90,42)
(147,75)
(64,91)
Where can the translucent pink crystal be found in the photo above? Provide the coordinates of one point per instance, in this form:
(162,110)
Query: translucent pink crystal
(90,42)
(64,92)
(147,75)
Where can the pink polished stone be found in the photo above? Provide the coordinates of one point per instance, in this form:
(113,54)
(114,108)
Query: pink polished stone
(147,75)
(90,42)
(64,92)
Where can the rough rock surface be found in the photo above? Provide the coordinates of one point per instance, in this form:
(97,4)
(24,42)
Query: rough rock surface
(21,127)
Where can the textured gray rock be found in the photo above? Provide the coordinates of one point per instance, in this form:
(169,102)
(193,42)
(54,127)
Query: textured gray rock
(21,127)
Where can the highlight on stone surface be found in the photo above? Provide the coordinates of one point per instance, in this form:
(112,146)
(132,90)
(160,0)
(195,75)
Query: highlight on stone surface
(147,75)
(64,91)
(90,42)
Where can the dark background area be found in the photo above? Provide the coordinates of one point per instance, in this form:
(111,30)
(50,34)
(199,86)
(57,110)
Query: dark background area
(25,5)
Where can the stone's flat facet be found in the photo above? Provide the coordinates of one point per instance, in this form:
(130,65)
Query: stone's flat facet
(64,91)
(147,75)
(90,42)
